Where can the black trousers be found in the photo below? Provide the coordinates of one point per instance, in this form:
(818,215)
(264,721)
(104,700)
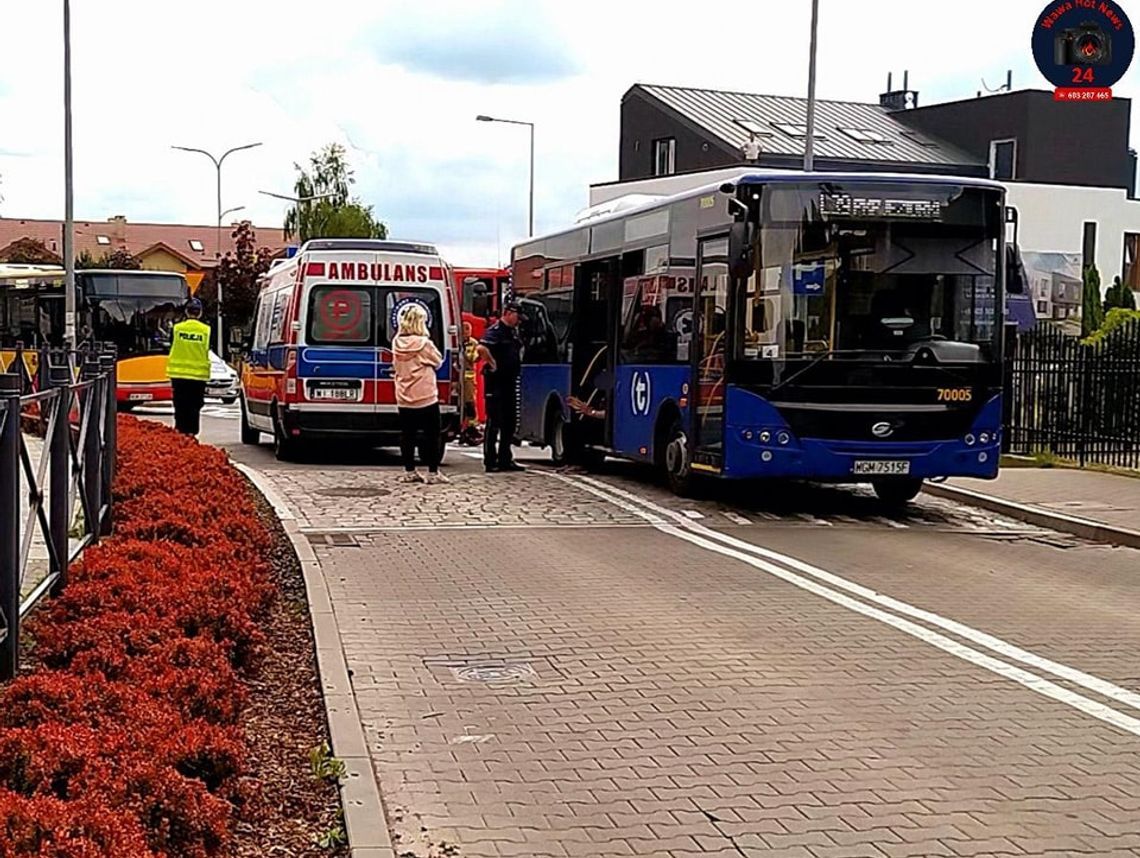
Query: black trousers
(502,406)
(424,424)
(189,395)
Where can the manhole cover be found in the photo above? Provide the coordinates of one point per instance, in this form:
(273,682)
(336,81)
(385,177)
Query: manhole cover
(354,492)
(499,671)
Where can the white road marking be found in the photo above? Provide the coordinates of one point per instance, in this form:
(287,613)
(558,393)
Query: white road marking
(752,554)
(735,518)
(811,519)
(691,513)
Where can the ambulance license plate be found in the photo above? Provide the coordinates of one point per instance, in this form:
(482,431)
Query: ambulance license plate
(140,397)
(335,394)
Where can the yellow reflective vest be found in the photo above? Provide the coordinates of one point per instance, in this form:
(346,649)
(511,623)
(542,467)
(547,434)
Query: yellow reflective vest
(189,351)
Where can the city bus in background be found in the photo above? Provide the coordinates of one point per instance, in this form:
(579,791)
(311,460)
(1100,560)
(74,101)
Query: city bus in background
(134,310)
(318,362)
(829,327)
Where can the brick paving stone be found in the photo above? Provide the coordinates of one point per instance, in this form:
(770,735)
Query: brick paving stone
(658,685)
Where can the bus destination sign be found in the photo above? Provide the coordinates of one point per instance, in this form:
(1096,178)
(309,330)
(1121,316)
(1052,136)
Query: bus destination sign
(878,208)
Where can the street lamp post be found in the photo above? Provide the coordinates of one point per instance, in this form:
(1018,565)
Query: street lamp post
(809,144)
(68,190)
(482,118)
(218,252)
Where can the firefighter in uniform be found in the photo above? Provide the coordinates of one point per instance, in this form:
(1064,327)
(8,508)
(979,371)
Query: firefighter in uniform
(188,368)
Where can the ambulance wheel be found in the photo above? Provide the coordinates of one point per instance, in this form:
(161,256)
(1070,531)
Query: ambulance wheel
(897,492)
(678,467)
(285,449)
(249,435)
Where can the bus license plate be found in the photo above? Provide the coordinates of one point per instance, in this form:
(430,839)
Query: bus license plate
(336,394)
(140,397)
(881,467)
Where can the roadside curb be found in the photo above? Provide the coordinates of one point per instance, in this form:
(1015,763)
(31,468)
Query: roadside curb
(365,822)
(1094,531)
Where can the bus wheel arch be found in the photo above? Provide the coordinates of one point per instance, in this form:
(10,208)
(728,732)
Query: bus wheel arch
(555,431)
(671,450)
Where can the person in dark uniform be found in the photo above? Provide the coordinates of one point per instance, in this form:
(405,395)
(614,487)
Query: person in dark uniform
(501,351)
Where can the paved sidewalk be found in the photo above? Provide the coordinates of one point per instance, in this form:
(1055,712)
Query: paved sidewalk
(533,670)
(1058,497)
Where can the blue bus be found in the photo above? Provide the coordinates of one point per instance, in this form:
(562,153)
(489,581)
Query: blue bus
(827,327)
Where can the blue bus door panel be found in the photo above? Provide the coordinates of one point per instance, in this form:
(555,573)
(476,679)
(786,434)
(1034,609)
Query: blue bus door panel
(639,393)
(538,382)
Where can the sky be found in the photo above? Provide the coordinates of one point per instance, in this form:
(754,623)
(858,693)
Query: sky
(400,84)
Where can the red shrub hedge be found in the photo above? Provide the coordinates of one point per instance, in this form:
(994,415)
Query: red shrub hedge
(124,743)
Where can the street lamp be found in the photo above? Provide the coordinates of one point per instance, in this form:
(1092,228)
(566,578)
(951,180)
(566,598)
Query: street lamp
(218,166)
(229,212)
(809,144)
(298,199)
(68,190)
(482,118)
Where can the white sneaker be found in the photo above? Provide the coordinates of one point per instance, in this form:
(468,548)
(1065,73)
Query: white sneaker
(411,477)
(437,478)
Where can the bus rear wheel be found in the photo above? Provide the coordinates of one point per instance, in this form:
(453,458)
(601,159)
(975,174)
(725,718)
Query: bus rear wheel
(897,492)
(678,468)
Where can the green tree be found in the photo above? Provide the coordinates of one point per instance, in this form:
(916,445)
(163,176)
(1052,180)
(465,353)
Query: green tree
(1119,295)
(1092,306)
(239,272)
(30,251)
(336,214)
(118,260)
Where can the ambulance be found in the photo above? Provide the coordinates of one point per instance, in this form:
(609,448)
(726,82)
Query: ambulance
(318,362)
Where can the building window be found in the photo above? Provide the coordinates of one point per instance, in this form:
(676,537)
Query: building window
(1088,247)
(102,239)
(196,245)
(794,130)
(1003,159)
(1042,308)
(1131,273)
(753,127)
(665,157)
(865,135)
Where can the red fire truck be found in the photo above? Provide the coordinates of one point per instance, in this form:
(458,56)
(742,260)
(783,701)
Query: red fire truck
(480,292)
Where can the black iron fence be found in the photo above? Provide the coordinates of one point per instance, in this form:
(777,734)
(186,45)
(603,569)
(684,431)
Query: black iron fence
(1075,401)
(57,449)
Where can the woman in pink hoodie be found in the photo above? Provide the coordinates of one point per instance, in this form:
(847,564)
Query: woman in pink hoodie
(416,360)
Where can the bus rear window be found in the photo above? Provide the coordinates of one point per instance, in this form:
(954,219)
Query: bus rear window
(341,316)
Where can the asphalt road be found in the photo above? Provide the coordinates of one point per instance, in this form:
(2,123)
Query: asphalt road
(559,663)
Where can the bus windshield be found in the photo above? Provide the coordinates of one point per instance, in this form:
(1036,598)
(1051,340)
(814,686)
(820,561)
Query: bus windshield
(866,272)
(135,311)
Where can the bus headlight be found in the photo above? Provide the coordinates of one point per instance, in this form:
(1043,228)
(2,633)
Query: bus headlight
(969,439)
(984,438)
(747,434)
(766,456)
(982,457)
(783,437)
(765,436)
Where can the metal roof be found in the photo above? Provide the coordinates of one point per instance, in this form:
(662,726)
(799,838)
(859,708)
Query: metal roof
(721,114)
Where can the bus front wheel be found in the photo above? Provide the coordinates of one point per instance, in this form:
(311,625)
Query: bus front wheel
(897,492)
(678,468)
(557,431)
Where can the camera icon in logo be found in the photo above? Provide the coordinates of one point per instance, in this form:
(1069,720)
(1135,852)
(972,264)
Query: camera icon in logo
(1087,45)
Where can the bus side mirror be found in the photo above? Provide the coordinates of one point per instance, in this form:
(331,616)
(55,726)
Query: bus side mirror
(1015,273)
(740,249)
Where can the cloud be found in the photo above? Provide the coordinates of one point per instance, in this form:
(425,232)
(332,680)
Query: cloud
(511,42)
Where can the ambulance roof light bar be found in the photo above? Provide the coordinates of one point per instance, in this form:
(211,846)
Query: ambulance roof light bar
(374,244)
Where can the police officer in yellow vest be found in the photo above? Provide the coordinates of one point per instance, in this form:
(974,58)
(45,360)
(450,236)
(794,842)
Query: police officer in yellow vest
(188,367)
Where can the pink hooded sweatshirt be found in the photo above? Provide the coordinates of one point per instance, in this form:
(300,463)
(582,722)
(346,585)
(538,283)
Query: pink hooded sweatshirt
(415,361)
